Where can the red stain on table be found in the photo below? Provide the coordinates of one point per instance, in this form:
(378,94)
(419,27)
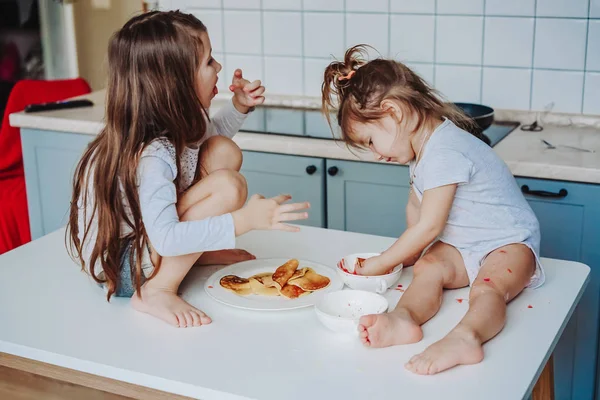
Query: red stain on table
(210,287)
(399,289)
(530,306)
(460,300)
(399,285)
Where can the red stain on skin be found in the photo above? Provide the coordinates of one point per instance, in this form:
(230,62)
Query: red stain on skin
(486,279)
(460,300)
(530,306)
(399,289)
(503,251)
(509,271)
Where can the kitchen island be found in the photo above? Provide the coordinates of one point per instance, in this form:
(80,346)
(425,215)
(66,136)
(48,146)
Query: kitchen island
(52,313)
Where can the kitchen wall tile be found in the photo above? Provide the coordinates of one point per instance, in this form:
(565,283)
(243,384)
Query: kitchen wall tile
(371,29)
(413,6)
(243,4)
(563,88)
(510,7)
(251,66)
(471,7)
(591,99)
(282,33)
(425,71)
(187,4)
(508,42)
(283,75)
(562,8)
(323,34)
(282,4)
(242,32)
(560,43)
(593,47)
(320,5)
(459,83)
(213,20)
(412,37)
(369,6)
(595,9)
(507,88)
(313,75)
(459,39)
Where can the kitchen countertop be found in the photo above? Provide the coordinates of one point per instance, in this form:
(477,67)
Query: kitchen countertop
(522,151)
(52,312)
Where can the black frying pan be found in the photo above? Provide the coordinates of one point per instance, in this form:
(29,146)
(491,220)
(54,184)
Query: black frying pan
(482,115)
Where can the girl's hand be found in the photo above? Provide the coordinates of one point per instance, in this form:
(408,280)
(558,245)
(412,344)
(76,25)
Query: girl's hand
(224,257)
(373,266)
(246,94)
(268,214)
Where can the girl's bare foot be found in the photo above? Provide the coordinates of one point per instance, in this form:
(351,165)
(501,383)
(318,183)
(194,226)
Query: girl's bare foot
(166,305)
(383,330)
(458,347)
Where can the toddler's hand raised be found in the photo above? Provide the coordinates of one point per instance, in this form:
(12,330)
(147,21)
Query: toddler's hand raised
(268,214)
(246,94)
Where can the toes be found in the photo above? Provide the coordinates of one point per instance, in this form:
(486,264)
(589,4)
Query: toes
(189,320)
(181,318)
(368,321)
(361,328)
(205,319)
(195,318)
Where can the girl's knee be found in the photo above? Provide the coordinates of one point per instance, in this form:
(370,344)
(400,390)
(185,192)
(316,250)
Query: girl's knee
(231,186)
(220,152)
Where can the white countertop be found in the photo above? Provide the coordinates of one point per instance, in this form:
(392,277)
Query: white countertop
(51,312)
(522,151)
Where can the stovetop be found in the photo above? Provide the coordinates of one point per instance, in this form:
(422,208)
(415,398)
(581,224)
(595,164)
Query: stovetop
(312,124)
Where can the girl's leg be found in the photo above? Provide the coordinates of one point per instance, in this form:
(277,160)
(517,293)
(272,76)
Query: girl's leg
(219,192)
(442,267)
(504,274)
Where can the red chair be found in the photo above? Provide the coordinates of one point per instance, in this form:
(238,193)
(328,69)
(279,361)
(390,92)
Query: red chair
(14,217)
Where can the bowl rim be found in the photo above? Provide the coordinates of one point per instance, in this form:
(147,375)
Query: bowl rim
(319,311)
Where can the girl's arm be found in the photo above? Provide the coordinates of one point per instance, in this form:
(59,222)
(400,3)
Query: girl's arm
(412,217)
(433,215)
(227,121)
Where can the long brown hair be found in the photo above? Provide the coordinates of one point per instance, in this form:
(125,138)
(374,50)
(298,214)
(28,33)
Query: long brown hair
(152,67)
(356,88)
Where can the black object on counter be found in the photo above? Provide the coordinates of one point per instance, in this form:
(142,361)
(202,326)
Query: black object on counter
(58,105)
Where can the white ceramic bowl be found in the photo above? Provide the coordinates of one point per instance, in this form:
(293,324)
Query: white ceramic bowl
(377,284)
(340,311)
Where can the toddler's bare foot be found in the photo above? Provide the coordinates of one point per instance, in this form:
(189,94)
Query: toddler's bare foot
(458,347)
(169,307)
(383,330)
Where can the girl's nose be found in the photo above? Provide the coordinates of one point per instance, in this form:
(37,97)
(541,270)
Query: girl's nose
(218,66)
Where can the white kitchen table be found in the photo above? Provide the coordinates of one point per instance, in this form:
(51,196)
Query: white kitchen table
(51,312)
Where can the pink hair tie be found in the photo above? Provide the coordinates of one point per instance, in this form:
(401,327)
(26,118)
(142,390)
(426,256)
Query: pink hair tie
(347,77)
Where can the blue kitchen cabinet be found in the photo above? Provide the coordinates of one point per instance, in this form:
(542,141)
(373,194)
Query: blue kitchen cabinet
(49,160)
(367,197)
(569,216)
(301,177)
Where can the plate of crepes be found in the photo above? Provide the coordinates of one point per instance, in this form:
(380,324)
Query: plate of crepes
(272,284)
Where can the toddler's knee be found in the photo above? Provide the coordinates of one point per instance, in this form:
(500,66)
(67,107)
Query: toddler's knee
(232,188)
(487,287)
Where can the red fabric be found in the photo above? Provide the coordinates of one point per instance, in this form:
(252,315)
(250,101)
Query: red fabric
(14,218)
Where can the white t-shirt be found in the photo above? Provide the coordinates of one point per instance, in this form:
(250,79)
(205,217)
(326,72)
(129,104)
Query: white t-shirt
(156,174)
(489,210)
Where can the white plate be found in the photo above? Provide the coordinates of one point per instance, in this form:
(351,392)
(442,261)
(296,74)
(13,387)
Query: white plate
(265,303)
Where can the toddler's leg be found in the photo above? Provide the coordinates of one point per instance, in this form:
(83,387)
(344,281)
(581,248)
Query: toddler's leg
(505,273)
(442,267)
(219,192)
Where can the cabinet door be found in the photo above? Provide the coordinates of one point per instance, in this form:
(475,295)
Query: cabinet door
(50,159)
(570,228)
(301,177)
(367,198)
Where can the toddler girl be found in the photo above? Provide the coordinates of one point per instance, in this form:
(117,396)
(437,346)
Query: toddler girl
(465,211)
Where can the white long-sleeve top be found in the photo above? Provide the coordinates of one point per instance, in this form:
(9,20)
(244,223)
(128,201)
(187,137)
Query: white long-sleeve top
(156,174)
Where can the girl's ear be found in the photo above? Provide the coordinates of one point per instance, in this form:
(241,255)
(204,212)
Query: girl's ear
(393,109)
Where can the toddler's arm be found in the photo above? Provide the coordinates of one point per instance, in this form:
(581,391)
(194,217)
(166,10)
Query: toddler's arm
(432,219)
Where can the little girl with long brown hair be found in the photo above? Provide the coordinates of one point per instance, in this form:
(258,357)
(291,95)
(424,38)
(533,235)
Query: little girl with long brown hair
(159,189)
(465,211)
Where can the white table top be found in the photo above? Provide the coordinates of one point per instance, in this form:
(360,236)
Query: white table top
(51,312)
